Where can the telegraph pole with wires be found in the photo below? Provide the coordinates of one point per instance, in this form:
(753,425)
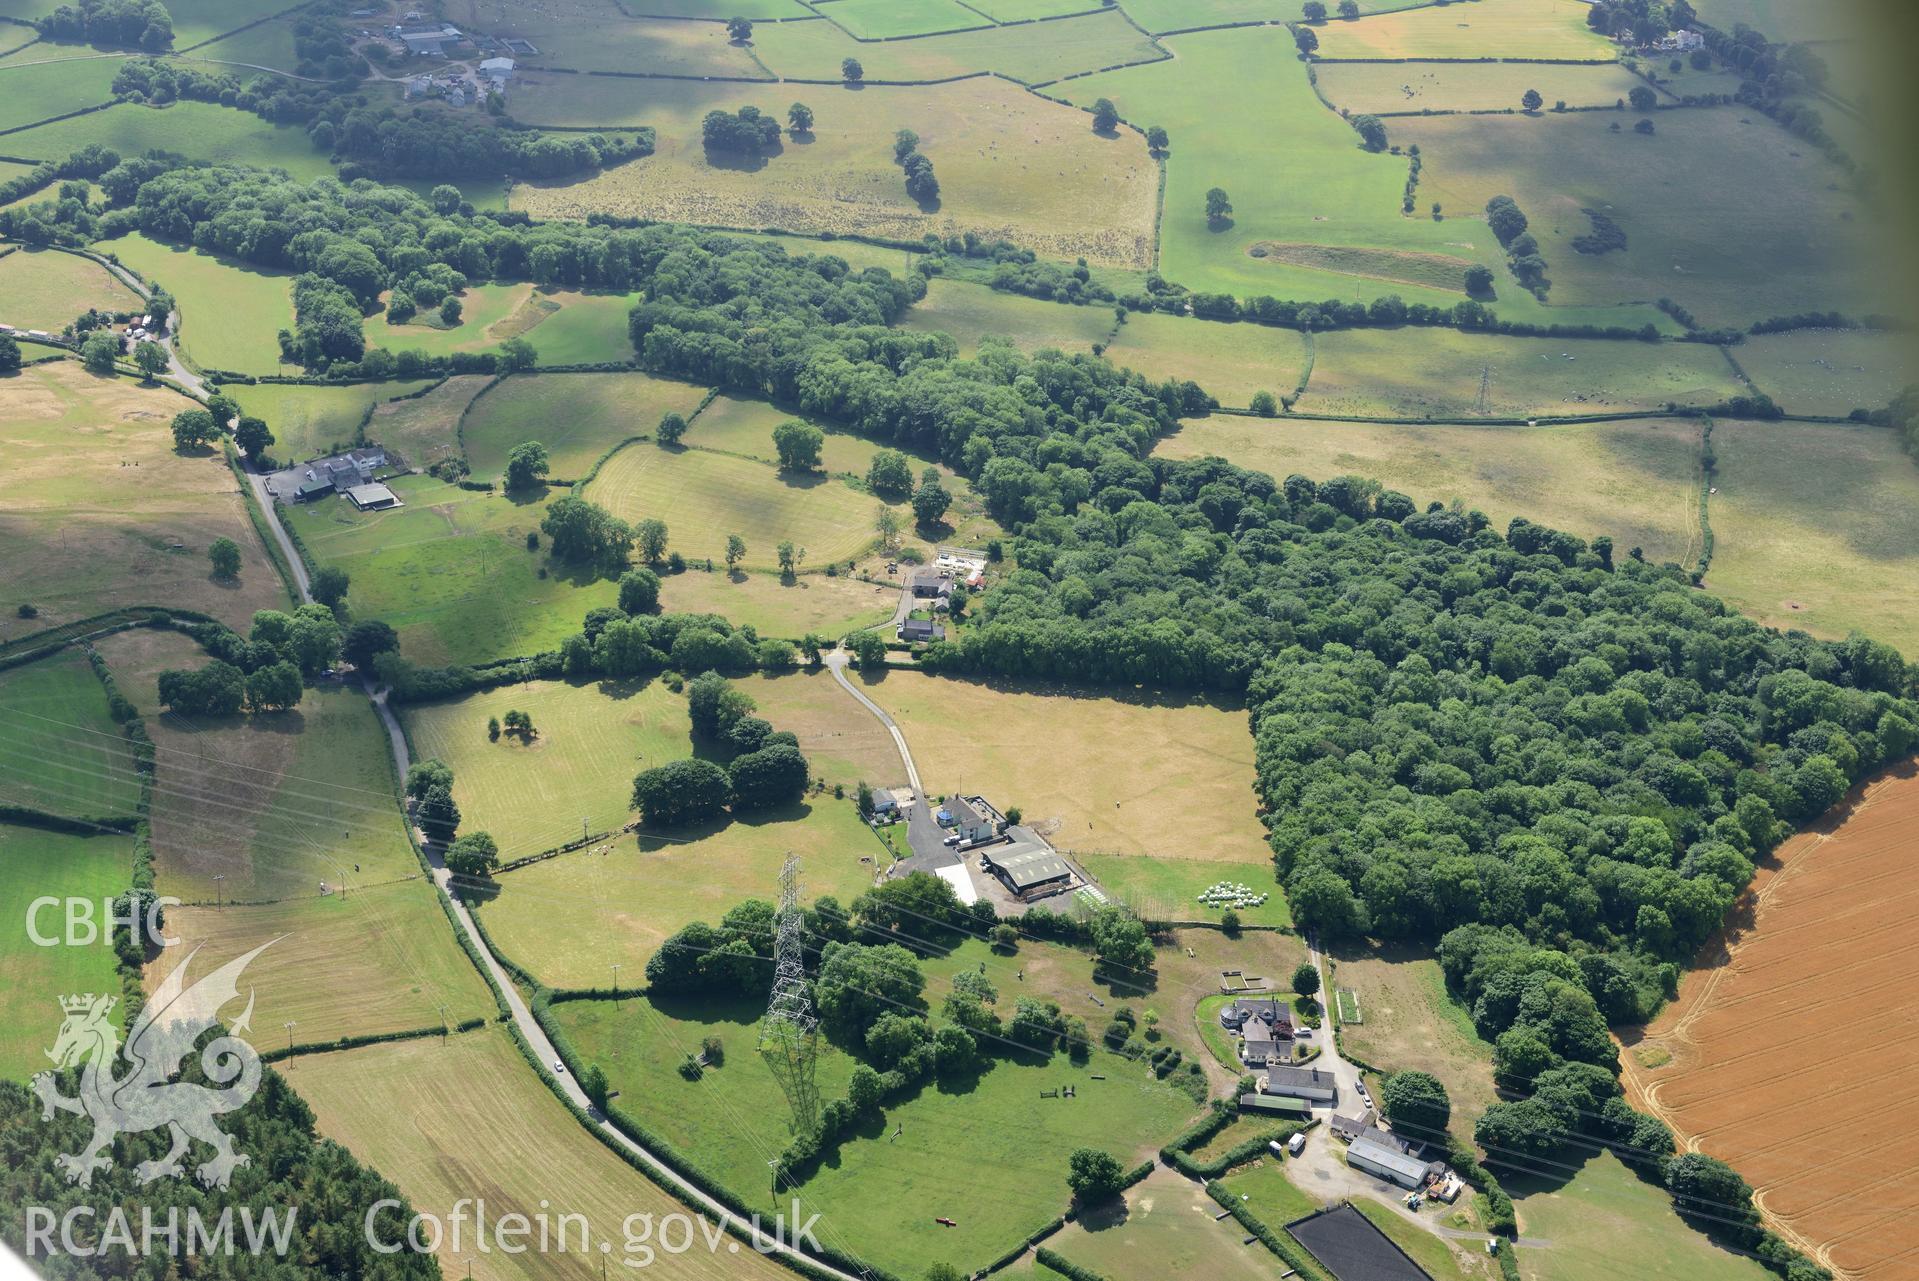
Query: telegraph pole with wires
(789,1034)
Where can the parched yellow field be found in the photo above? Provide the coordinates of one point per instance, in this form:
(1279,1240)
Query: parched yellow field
(570,918)
(1231,361)
(1010,165)
(1816,526)
(436,1116)
(704,496)
(844,743)
(1484,29)
(592,739)
(1444,373)
(1136,775)
(100,511)
(774,606)
(1635,481)
(272,805)
(47,289)
(1477,86)
(382,959)
(969,312)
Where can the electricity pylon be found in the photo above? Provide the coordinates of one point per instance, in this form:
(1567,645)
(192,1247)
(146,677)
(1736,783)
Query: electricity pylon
(789,1034)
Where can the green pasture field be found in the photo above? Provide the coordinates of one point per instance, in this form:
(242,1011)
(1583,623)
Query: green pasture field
(1440,373)
(1587,1216)
(1412,1021)
(1381,87)
(200,130)
(47,289)
(1232,361)
(1775,232)
(575,328)
(578,417)
(1168,889)
(970,312)
(1031,10)
(1179,15)
(1816,527)
(35,864)
(1269,1195)
(569,918)
(426,428)
(948,1136)
(268,45)
(382,959)
(745,427)
(1484,29)
(1303,180)
(451,571)
(774,606)
(1010,163)
(884,19)
(1033,53)
(308,422)
(599,35)
(25,11)
(704,496)
(195,21)
(1637,482)
(1167,1229)
(470,1098)
(592,739)
(272,804)
(1821,371)
(102,511)
(63,754)
(36,90)
(1169,777)
(483,307)
(230,315)
(719,10)
(1432,1252)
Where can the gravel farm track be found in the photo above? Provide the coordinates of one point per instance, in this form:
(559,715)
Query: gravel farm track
(1795,1042)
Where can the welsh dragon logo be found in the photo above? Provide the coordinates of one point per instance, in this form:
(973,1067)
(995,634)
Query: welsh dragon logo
(147,1097)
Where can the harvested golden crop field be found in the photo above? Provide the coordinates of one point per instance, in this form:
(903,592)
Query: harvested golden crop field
(776,606)
(844,743)
(1171,777)
(1635,481)
(381,959)
(102,511)
(1816,946)
(465,1102)
(1011,165)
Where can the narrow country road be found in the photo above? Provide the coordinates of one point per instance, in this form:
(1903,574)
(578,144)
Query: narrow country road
(264,496)
(836,661)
